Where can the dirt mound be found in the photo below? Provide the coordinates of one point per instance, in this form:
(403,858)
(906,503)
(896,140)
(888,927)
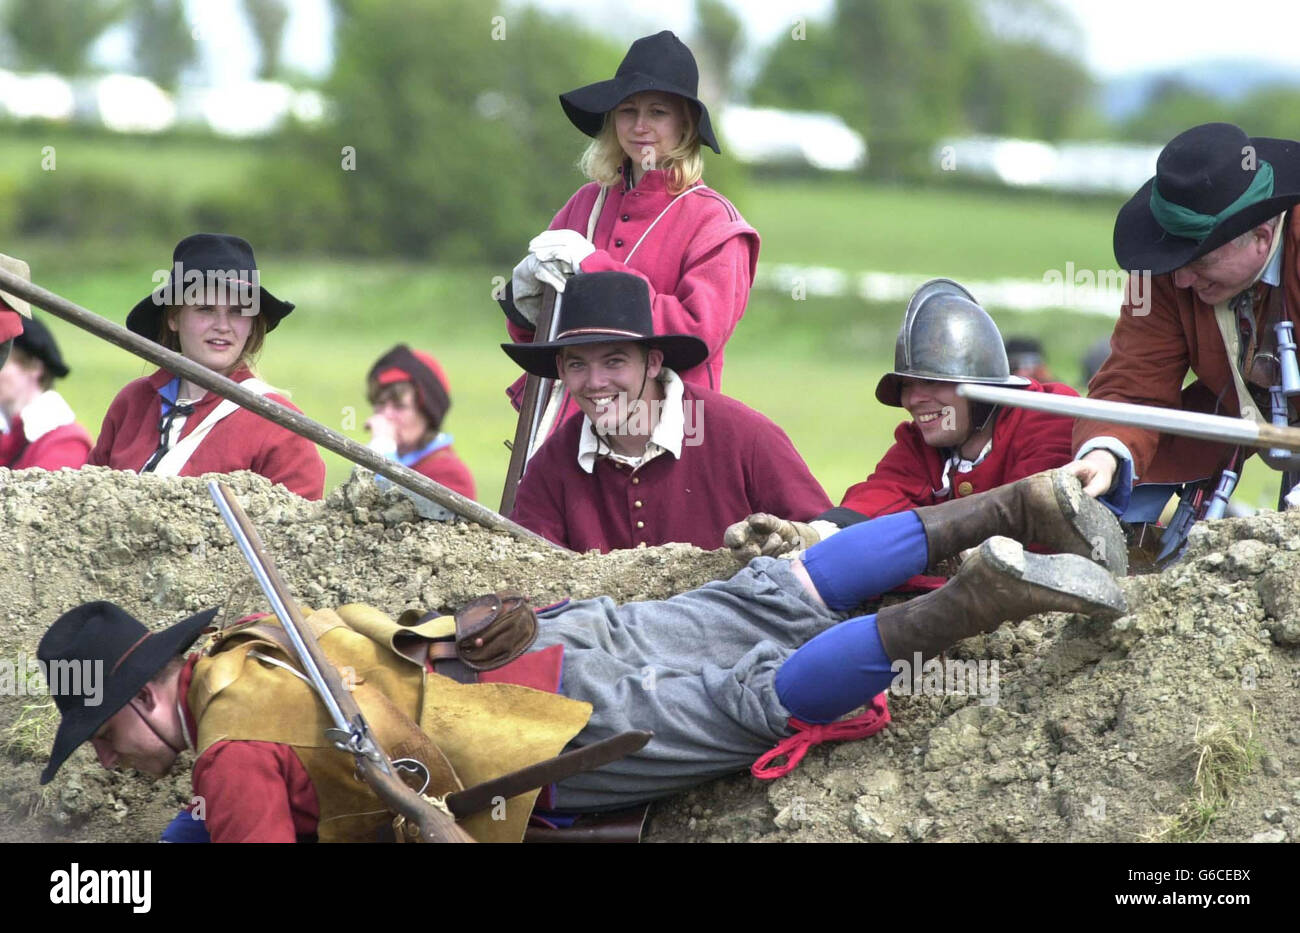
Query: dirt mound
(1177,721)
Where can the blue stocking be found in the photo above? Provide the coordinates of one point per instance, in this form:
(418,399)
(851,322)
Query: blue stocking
(867,559)
(837,671)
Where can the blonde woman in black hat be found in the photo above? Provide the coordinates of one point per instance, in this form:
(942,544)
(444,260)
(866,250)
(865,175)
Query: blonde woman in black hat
(212,309)
(646,210)
(41,430)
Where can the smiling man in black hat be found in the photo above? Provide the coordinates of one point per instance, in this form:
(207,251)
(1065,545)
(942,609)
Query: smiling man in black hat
(653,459)
(41,430)
(1213,256)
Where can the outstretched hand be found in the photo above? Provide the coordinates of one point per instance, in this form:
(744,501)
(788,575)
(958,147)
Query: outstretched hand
(764,535)
(1095,470)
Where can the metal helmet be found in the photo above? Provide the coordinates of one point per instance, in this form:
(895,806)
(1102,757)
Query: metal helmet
(946,337)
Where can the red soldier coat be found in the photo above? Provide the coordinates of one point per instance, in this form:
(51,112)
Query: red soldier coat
(444,467)
(242,441)
(699,261)
(911,472)
(745,464)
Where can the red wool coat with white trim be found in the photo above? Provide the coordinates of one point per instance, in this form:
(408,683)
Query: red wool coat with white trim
(1024,443)
(745,464)
(241,441)
(699,261)
(64,446)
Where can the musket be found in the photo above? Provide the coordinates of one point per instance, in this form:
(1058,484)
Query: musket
(1240,431)
(272,411)
(350,732)
(533,405)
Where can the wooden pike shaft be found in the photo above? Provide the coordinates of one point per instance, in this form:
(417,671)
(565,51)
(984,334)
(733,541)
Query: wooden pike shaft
(286,418)
(1218,428)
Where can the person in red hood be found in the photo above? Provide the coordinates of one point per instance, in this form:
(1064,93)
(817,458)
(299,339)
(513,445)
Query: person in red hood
(952,448)
(212,309)
(646,211)
(42,430)
(411,395)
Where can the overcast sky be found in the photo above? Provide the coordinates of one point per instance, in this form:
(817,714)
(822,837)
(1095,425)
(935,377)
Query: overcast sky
(1116,36)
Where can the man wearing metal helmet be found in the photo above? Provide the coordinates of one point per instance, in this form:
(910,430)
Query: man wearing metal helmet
(951,448)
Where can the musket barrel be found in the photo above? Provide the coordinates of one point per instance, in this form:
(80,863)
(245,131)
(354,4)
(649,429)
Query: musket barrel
(1220,428)
(272,411)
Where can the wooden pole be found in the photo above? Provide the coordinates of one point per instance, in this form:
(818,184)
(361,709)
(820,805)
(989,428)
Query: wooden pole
(537,393)
(286,418)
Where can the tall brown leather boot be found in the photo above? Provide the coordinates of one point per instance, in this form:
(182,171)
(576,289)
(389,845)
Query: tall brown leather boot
(1049,509)
(1000,582)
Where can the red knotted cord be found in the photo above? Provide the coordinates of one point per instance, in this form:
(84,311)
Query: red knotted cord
(807,734)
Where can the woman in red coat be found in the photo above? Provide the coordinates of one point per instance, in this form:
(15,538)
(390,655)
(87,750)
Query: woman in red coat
(41,429)
(411,395)
(952,447)
(646,210)
(213,310)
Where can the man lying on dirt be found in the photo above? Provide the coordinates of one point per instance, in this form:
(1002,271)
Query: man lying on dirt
(652,459)
(952,447)
(719,673)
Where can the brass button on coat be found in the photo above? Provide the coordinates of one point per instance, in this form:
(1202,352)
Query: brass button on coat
(965,489)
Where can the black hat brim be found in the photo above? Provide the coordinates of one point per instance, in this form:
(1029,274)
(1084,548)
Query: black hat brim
(79,725)
(681,351)
(1142,245)
(586,107)
(145,318)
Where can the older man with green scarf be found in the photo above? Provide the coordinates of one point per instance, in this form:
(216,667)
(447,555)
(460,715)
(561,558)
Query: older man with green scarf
(1213,257)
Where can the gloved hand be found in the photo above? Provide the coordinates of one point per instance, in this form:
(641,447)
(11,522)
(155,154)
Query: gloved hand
(526,290)
(766,535)
(566,248)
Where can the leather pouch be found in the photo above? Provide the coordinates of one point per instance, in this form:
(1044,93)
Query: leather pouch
(495,629)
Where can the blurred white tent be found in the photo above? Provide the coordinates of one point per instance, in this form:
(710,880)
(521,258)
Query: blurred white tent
(125,104)
(1091,167)
(764,136)
(36,96)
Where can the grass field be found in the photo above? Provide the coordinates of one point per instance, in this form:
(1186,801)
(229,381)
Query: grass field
(811,365)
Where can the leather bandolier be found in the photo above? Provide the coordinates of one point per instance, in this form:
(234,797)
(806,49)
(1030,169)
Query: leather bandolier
(248,688)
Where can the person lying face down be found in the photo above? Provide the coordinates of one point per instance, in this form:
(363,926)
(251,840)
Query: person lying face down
(718,674)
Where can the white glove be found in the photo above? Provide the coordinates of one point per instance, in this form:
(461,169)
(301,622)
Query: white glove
(526,289)
(1292,498)
(566,248)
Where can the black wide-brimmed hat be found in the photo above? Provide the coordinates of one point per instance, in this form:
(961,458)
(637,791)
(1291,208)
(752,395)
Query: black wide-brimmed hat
(607,307)
(105,643)
(37,341)
(207,258)
(661,62)
(432,391)
(1212,183)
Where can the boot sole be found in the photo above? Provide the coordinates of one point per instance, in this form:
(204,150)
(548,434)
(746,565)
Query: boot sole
(1093,522)
(1066,575)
